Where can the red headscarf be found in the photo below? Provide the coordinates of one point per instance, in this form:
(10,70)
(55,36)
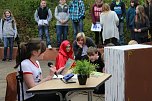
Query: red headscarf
(63,55)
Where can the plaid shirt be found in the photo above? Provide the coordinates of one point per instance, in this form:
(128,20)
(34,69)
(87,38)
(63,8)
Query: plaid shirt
(76,10)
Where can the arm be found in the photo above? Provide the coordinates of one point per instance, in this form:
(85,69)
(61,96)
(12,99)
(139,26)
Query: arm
(49,15)
(56,14)
(147,25)
(36,17)
(92,15)
(67,17)
(82,9)
(15,30)
(116,18)
(127,18)
(1,29)
(123,11)
(77,51)
(101,19)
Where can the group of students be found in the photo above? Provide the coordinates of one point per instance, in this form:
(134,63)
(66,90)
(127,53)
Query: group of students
(82,48)
(138,18)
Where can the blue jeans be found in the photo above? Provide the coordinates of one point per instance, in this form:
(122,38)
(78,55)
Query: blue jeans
(61,33)
(78,27)
(121,33)
(47,35)
(8,41)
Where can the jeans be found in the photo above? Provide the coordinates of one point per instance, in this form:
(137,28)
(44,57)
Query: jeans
(78,27)
(47,35)
(8,41)
(121,33)
(61,33)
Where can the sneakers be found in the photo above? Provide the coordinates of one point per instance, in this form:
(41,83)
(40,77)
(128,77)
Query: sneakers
(3,59)
(49,47)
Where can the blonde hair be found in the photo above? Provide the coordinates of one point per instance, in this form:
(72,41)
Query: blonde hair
(131,42)
(81,35)
(7,10)
(105,7)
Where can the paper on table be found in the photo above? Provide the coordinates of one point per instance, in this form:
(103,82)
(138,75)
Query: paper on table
(59,76)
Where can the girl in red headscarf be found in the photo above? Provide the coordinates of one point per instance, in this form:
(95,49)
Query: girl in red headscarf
(65,52)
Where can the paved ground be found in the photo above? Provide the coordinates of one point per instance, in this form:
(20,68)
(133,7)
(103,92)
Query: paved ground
(7,67)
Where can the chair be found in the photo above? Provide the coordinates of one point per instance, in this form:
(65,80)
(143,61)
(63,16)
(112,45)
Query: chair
(11,89)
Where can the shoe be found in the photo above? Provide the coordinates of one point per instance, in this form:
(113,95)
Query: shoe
(10,60)
(49,47)
(3,59)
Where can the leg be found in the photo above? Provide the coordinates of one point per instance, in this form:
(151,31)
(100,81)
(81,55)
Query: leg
(97,38)
(74,25)
(58,35)
(101,36)
(47,35)
(5,47)
(81,25)
(65,32)
(40,29)
(121,33)
(11,44)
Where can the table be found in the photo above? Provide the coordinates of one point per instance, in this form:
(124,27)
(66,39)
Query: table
(57,85)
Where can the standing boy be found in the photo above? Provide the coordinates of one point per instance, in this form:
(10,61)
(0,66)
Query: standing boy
(42,16)
(77,14)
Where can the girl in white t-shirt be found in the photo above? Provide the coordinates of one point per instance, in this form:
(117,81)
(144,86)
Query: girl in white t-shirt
(32,73)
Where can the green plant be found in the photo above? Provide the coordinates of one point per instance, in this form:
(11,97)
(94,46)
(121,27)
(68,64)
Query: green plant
(83,67)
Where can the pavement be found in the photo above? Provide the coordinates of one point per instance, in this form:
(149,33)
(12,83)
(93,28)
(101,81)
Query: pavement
(7,67)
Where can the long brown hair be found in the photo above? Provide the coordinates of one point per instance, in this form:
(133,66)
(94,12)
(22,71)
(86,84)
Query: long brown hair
(140,16)
(26,50)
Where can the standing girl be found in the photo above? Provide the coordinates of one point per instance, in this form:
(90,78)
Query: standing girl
(62,16)
(8,33)
(109,20)
(32,74)
(141,25)
(96,11)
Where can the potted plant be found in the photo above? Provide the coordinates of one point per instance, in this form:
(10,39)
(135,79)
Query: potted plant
(83,69)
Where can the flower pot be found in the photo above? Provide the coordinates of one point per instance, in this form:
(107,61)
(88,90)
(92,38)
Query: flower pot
(82,79)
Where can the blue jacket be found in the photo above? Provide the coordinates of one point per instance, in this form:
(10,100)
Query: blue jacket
(130,17)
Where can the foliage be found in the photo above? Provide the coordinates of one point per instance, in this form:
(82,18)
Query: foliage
(23,11)
(83,67)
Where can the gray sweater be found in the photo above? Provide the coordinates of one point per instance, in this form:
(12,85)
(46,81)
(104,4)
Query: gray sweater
(61,16)
(8,29)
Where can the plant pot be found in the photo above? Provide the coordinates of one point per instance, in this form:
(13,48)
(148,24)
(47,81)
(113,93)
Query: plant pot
(82,79)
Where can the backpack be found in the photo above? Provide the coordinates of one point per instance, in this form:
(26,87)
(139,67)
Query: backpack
(12,24)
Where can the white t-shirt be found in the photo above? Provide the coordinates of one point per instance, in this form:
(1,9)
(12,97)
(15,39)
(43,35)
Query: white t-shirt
(30,68)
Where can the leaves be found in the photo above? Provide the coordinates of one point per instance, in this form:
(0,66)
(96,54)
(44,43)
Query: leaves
(83,67)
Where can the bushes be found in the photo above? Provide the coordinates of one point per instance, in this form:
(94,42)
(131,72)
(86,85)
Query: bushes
(23,11)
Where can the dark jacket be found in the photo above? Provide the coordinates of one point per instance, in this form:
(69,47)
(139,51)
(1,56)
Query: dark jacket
(119,9)
(148,11)
(78,50)
(99,62)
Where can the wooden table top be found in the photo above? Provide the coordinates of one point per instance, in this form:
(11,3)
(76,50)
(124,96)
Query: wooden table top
(59,85)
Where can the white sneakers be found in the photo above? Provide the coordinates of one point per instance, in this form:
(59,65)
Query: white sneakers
(49,47)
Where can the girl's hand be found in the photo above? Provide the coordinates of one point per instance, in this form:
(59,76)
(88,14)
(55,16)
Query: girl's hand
(80,45)
(135,30)
(139,30)
(52,70)
(59,71)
